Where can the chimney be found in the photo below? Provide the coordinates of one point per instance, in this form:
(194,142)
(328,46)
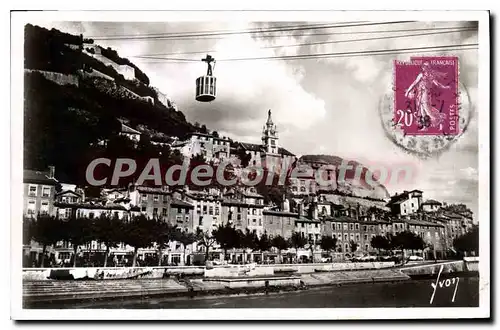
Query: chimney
(52,172)
(301,209)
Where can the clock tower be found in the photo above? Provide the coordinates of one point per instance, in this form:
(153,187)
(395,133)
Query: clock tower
(270,136)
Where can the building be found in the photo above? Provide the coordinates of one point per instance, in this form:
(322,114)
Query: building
(433,235)
(431,205)
(244,210)
(181,212)
(279,223)
(130,133)
(269,154)
(408,202)
(212,148)
(150,201)
(207,214)
(39,192)
(67,198)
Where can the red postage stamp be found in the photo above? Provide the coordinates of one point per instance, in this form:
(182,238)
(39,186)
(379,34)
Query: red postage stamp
(426,96)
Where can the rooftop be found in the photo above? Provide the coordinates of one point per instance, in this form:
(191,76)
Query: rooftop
(181,203)
(39,177)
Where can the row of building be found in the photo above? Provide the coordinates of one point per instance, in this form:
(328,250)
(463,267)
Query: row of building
(309,210)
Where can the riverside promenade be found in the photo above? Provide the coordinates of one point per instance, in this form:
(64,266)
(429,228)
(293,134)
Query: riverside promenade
(58,290)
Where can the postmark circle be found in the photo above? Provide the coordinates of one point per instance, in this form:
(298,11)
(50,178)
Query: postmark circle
(423,146)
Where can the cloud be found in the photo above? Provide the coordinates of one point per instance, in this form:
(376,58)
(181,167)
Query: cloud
(327,106)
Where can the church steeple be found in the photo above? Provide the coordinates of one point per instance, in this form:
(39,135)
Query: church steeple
(270,135)
(269,119)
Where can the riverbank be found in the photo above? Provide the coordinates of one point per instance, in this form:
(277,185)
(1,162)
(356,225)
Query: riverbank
(43,294)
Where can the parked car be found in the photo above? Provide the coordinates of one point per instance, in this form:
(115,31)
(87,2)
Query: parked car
(416,258)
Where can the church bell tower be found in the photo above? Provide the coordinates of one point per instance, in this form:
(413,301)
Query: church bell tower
(270,135)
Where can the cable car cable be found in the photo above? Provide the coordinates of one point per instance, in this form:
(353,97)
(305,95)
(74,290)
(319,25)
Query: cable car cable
(312,43)
(250,30)
(326,55)
(173,37)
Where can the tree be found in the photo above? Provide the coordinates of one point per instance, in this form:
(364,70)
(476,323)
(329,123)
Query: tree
(162,234)
(248,240)
(353,245)
(138,234)
(379,242)
(328,243)
(185,239)
(47,231)
(107,231)
(227,237)
(27,230)
(206,240)
(78,231)
(469,242)
(280,244)
(297,241)
(264,243)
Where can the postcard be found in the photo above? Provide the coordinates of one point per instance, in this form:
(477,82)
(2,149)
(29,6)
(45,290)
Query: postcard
(241,165)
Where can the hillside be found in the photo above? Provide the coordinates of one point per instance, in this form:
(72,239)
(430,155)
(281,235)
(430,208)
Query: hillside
(76,94)
(351,188)
(73,101)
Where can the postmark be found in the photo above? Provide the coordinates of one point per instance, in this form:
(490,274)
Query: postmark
(426,108)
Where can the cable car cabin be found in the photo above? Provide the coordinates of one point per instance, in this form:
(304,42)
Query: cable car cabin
(205,85)
(205,88)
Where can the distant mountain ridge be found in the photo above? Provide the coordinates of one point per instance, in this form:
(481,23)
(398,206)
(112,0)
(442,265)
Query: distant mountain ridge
(350,187)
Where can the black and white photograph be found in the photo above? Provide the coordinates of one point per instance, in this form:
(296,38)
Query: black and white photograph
(332,162)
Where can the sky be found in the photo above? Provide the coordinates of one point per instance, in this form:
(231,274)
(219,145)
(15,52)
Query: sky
(321,106)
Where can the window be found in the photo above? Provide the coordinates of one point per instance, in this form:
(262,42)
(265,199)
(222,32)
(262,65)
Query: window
(302,224)
(357,237)
(211,210)
(351,226)
(117,214)
(46,192)
(200,221)
(273,142)
(164,212)
(315,225)
(333,226)
(155,211)
(345,225)
(31,206)
(204,209)
(357,226)
(366,246)
(351,237)
(143,209)
(216,210)
(156,198)
(366,237)
(364,228)
(44,209)
(260,222)
(339,226)
(436,234)
(346,237)
(178,218)
(238,217)
(91,214)
(144,197)
(254,220)
(32,190)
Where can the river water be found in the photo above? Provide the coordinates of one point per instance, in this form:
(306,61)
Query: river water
(413,293)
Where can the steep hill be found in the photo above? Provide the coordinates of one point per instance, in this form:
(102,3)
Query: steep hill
(73,101)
